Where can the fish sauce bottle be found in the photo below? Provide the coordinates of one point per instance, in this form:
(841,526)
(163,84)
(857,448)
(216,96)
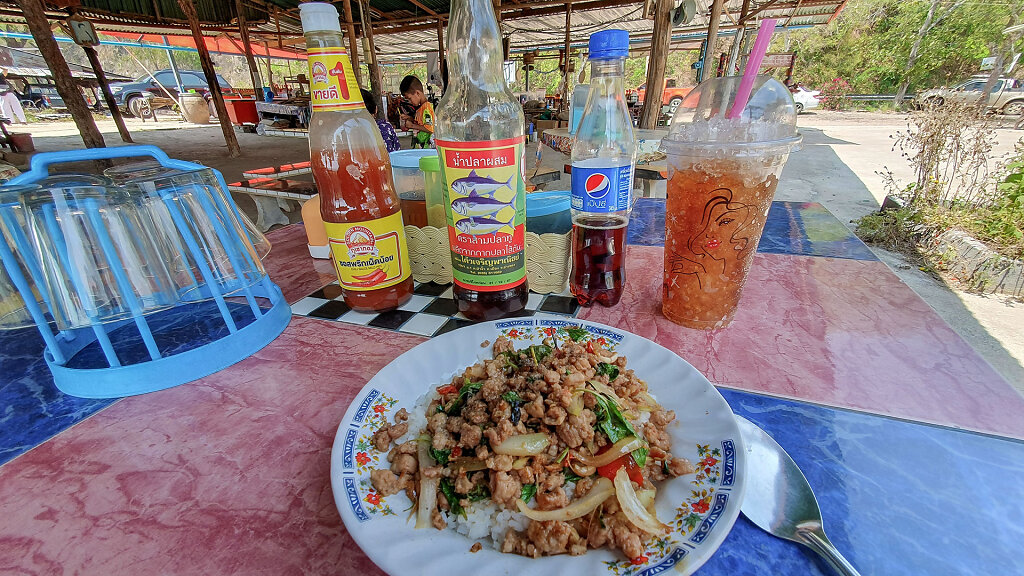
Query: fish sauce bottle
(480,135)
(603,158)
(352,170)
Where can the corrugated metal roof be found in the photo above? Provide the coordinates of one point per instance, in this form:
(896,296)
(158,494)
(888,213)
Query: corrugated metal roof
(404,30)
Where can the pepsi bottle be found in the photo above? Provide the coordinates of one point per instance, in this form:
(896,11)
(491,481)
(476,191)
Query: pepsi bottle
(602,176)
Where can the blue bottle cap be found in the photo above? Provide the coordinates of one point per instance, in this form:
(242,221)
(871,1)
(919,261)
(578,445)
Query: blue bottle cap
(609,44)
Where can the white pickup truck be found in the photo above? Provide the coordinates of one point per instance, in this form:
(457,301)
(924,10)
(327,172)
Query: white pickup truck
(1007,95)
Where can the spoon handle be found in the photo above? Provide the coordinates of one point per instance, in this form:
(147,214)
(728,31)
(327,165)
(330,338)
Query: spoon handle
(818,542)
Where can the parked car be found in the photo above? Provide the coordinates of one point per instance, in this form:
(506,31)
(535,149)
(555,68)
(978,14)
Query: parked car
(805,99)
(130,95)
(1007,96)
(41,96)
(671,95)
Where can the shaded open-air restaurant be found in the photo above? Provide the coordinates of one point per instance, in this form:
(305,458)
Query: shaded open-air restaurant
(513,314)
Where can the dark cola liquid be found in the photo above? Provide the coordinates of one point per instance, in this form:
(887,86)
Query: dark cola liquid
(598,260)
(478,305)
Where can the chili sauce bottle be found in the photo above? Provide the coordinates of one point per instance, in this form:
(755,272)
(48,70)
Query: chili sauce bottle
(479,132)
(352,170)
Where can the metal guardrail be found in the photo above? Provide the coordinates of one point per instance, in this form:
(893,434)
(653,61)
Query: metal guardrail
(877,97)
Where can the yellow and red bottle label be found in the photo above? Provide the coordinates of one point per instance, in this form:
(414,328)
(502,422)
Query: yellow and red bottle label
(485,199)
(369,255)
(332,84)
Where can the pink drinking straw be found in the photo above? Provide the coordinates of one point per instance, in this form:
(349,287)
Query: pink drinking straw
(764,37)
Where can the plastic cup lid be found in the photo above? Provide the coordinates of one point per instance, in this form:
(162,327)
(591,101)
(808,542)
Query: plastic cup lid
(410,159)
(430,163)
(768,119)
(547,203)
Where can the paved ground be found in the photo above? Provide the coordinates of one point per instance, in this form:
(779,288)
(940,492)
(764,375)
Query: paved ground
(840,165)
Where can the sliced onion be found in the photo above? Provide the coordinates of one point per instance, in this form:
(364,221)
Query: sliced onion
(426,500)
(633,508)
(467,463)
(624,446)
(581,469)
(646,497)
(523,445)
(608,360)
(576,405)
(520,463)
(601,491)
(606,390)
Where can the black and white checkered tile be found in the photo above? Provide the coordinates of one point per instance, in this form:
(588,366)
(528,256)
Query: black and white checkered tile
(430,312)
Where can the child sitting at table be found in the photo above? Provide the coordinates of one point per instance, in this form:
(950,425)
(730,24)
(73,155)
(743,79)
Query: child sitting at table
(422,124)
(387,131)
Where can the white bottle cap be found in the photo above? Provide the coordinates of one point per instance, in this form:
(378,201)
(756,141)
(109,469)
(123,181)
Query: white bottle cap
(319,16)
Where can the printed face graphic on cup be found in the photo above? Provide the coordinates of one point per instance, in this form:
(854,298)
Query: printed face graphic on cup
(718,243)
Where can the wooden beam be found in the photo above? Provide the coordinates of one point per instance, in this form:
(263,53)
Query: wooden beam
(656,64)
(108,96)
(792,13)
(376,82)
(189,8)
(353,42)
(442,62)
(759,9)
(564,103)
(836,13)
(277,23)
(422,7)
(712,40)
(254,71)
(35,17)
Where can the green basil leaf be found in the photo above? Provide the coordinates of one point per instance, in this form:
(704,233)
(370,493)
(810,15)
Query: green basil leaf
(479,492)
(528,492)
(448,489)
(576,333)
(512,397)
(610,370)
(441,456)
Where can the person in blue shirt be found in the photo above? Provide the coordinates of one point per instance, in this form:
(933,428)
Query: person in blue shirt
(387,131)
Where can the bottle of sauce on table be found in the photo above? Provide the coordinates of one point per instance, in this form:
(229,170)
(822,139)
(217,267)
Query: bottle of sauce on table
(352,171)
(602,176)
(479,132)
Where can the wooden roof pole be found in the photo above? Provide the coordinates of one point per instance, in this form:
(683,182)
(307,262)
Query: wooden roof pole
(564,104)
(35,17)
(353,43)
(376,81)
(189,8)
(442,63)
(709,52)
(660,37)
(254,70)
(108,96)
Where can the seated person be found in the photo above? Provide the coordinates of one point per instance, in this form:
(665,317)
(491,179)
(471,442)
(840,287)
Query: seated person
(387,131)
(422,124)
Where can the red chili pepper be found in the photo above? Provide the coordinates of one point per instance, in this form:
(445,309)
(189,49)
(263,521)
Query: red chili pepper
(609,470)
(456,452)
(447,389)
(590,346)
(638,560)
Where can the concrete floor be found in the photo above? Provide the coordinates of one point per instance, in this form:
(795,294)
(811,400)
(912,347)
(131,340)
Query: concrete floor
(840,165)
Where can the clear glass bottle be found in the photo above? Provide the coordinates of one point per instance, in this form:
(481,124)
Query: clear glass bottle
(352,170)
(480,136)
(603,158)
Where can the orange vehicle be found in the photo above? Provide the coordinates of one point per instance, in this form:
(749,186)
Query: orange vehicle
(671,95)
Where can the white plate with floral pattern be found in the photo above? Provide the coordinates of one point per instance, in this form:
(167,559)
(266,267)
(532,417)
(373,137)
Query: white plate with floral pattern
(701,507)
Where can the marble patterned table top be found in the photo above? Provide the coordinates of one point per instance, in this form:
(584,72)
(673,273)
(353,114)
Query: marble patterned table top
(230,474)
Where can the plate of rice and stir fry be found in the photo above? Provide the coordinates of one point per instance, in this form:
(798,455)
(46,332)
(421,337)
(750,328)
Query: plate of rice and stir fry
(538,446)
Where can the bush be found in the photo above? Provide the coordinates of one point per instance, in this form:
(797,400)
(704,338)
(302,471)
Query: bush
(835,95)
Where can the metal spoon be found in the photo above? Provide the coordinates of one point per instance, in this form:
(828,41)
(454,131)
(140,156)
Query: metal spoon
(779,499)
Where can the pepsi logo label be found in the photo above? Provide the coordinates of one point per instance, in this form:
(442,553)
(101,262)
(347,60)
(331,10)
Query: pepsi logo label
(597,185)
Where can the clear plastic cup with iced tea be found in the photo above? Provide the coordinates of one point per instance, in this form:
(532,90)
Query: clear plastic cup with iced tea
(722,177)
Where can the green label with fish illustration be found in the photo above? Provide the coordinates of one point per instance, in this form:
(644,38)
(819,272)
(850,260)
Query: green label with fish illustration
(485,197)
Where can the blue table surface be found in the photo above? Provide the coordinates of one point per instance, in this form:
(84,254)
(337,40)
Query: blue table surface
(897,497)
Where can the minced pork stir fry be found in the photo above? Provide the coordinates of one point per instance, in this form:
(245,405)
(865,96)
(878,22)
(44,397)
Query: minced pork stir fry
(564,434)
